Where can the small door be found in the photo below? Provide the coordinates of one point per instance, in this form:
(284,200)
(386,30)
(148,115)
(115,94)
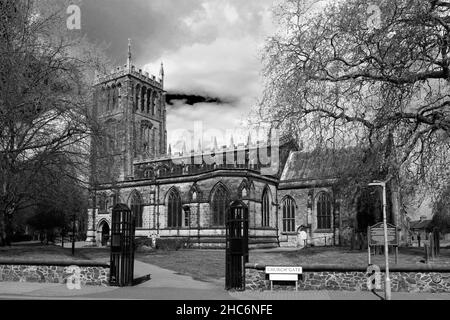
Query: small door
(105,234)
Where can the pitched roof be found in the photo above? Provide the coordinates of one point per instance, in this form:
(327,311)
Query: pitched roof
(419,224)
(319,165)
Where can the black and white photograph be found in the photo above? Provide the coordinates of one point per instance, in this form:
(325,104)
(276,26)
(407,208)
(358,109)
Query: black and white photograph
(224,155)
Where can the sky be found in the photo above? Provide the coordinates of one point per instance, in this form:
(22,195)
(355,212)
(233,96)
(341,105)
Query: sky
(210,48)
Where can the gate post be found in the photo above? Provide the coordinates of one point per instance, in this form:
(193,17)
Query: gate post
(122,247)
(236,245)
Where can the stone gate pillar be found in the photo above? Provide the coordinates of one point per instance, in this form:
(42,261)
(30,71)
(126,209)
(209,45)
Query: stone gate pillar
(91,233)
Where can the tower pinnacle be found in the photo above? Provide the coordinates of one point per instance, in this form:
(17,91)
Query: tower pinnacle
(129,55)
(161,72)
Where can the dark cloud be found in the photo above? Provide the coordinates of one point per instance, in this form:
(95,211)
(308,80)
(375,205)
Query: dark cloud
(163,26)
(210,50)
(154,26)
(191,99)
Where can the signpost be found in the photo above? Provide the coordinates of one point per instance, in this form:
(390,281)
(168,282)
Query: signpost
(284,274)
(375,235)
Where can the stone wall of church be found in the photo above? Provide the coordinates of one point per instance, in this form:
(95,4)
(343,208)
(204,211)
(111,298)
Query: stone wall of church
(305,200)
(155,215)
(155,218)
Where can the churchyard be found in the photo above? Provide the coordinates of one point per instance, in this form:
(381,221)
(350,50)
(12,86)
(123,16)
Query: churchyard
(209,265)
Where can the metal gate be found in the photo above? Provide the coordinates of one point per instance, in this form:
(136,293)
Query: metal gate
(122,247)
(236,245)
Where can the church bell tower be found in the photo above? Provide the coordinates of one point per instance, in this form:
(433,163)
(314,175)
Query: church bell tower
(130,109)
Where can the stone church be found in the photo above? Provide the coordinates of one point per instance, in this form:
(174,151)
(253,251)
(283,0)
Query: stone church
(291,199)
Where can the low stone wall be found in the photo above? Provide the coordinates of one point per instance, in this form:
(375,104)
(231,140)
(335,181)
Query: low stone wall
(414,279)
(89,273)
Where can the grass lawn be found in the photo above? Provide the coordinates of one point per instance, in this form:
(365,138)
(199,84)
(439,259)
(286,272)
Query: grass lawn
(39,252)
(97,254)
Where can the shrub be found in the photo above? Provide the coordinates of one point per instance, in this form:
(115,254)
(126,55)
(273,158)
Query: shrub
(142,241)
(21,238)
(172,244)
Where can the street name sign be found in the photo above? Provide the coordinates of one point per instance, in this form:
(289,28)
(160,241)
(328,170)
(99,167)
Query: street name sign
(280,273)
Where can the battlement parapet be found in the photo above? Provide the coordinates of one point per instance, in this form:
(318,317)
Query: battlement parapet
(123,71)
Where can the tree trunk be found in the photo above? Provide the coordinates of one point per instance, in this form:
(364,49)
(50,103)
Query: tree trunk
(397,211)
(2,229)
(8,229)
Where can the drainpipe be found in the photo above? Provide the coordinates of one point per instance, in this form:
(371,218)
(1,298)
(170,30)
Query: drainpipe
(277,215)
(198,221)
(157,209)
(154,208)
(94,211)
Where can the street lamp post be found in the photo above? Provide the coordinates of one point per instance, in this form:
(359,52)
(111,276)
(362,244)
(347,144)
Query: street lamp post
(387,281)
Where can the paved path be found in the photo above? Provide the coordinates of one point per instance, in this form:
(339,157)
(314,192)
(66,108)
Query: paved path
(166,284)
(163,285)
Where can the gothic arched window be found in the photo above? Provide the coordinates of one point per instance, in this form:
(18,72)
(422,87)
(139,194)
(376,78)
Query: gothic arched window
(288,215)
(324,211)
(219,206)
(137,207)
(266,206)
(174,210)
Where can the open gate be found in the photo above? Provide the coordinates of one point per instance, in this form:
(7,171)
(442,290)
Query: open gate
(236,245)
(122,246)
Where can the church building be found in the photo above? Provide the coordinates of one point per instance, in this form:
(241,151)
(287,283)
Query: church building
(290,198)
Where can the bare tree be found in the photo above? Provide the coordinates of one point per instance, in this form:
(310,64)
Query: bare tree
(373,76)
(45,102)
